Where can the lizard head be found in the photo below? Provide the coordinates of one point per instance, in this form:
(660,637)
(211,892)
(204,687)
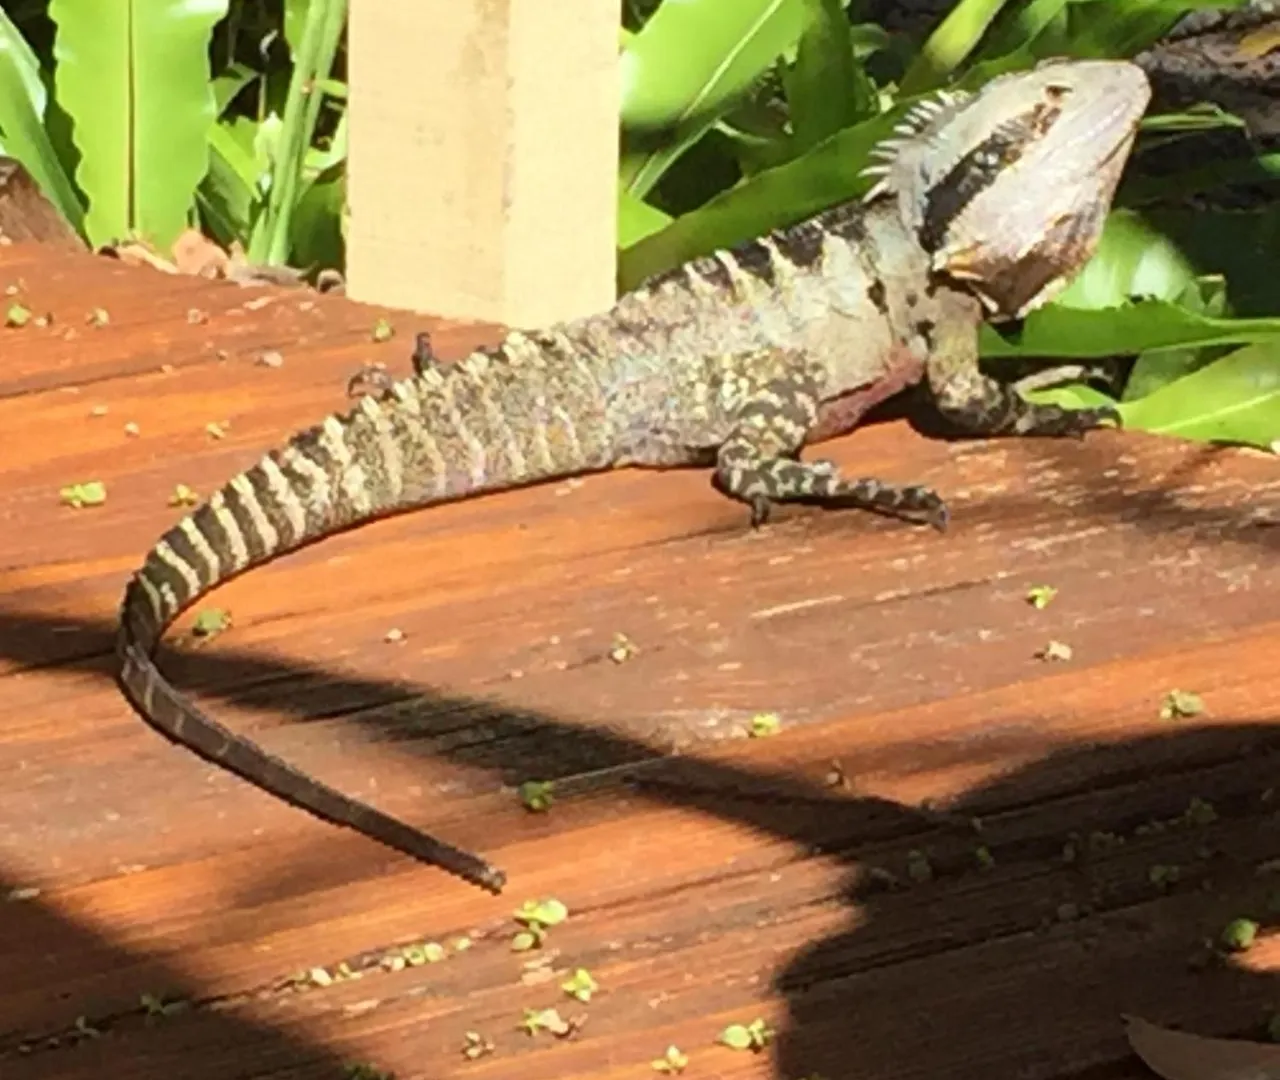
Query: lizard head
(1008,188)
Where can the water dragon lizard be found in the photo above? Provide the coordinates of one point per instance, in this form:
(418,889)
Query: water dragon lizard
(984,206)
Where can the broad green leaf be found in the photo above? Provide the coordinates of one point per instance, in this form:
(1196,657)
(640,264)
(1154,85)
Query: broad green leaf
(1132,260)
(826,175)
(133,76)
(1234,400)
(313,63)
(295,19)
(1205,116)
(688,64)
(227,85)
(317,222)
(228,195)
(956,37)
(15,50)
(23,99)
(1133,328)
(637,219)
(1242,246)
(826,88)
(1022,29)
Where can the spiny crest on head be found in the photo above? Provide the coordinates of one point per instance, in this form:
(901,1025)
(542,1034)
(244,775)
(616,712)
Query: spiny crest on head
(923,118)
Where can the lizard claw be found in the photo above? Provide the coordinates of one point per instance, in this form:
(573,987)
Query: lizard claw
(761,508)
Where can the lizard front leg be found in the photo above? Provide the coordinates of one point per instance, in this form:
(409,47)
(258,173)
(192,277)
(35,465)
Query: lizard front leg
(757,462)
(980,405)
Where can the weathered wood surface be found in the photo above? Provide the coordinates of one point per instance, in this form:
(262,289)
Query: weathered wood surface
(731,883)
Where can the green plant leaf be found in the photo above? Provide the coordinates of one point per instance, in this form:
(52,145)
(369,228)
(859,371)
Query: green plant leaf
(826,87)
(1132,260)
(1234,400)
(956,37)
(1057,331)
(637,219)
(826,175)
(133,76)
(227,85)
(23,136)
(313,62)
(317,222)
(689,63)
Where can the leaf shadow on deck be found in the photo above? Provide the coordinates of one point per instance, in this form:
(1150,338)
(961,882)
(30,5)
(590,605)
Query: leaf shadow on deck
(946,976)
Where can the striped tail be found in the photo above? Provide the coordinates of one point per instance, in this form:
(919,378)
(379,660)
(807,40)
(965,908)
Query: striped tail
(430,439)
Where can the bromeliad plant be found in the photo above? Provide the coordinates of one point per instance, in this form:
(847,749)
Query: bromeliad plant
(130,133)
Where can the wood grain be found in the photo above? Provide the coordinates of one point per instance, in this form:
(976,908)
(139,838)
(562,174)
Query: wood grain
(711,878)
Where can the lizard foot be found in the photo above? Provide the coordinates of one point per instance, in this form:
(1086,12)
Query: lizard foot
(372,378)
(819,483)
(1055,422)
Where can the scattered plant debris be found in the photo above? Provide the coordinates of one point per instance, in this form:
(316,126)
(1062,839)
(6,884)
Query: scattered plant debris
(754,1036)
(673,1061)
(1041,596)
(538,795)
(394,635)
(132,430)
(383,331)
(98,317)
(216,430)
(580,985)
(919,869)
(17,316)
(476,1046)
(549,1020)
(271,358)
(209,622)
(763,725)
(622,649)
(183,496)
(1055,650)
(1181,705)
(362,1070)
(90,493)
(537,916)
(1239,935)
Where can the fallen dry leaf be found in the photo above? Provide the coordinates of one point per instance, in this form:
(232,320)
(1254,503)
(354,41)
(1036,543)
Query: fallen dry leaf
(195,254)
(1178,1055)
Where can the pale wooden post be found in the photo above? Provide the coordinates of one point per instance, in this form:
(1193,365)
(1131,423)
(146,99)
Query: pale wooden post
(483,153)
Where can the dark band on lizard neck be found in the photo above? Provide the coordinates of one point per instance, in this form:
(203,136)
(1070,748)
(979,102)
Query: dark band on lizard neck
(978,170)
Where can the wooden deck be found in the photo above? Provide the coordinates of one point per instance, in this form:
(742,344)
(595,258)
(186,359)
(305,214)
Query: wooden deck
(849,905)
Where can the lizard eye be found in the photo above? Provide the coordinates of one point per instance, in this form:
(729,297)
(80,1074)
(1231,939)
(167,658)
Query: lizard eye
(1057,91)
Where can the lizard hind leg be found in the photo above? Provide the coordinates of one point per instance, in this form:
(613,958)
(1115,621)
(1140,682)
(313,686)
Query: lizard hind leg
(758,462)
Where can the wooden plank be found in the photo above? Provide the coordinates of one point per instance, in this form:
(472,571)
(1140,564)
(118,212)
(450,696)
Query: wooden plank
(730,882)
(483,161)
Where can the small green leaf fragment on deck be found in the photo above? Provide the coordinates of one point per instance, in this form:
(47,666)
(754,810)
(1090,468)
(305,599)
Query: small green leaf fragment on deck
(89,493)
(210,621)
(537,795)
